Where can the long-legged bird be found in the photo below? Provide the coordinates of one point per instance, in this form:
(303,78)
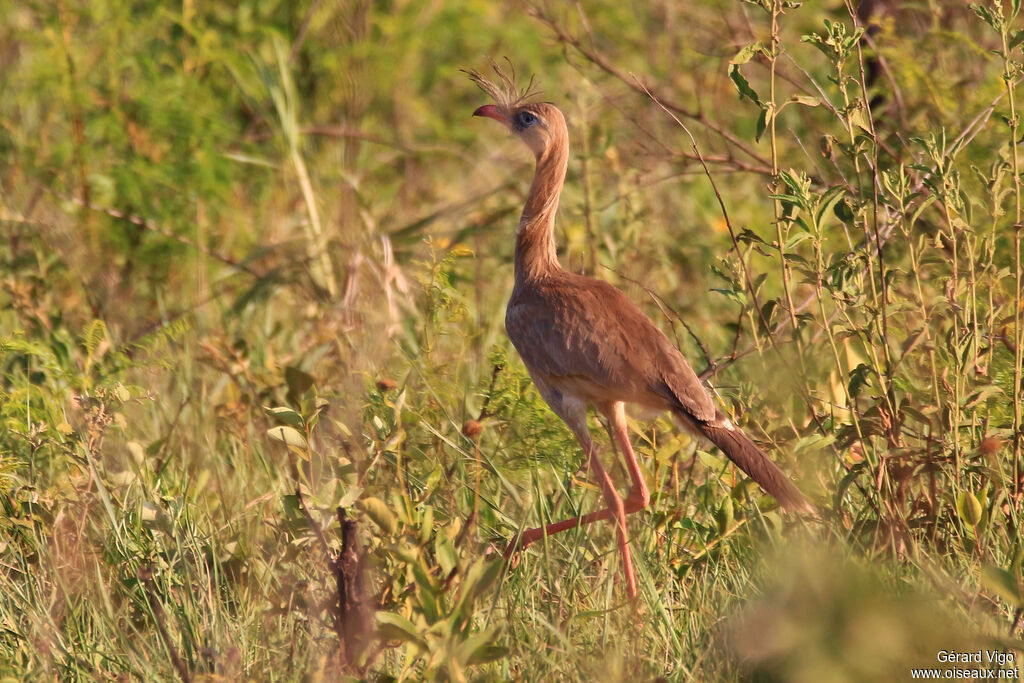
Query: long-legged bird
(585,343)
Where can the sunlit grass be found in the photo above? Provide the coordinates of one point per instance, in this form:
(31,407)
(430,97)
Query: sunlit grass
(255,265)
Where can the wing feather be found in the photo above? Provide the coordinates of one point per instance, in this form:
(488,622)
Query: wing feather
(587,331)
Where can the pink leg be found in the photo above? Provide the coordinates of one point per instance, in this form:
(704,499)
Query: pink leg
(639,495)
(616,508)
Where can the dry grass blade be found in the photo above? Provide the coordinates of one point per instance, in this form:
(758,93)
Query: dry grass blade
(176,219)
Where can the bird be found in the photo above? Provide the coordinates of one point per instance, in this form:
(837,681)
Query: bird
(585,343)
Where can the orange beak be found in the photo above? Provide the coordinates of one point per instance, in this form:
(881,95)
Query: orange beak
(491,112)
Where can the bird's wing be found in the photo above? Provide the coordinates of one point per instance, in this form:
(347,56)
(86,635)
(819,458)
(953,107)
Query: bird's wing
(586,330)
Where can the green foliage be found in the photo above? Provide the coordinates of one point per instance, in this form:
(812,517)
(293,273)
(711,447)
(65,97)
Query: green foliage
(253,271)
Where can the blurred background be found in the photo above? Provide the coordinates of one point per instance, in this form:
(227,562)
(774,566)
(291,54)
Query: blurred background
(254,268)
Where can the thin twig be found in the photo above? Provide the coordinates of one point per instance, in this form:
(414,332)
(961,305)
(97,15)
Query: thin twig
(317,531)
(303,29)
(721,202)
(636,84)
(724,362)
(495,371)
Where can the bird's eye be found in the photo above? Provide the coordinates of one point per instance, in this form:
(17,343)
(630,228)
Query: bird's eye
(525,119)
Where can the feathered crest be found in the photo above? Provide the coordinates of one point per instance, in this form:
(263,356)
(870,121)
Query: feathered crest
(504,93)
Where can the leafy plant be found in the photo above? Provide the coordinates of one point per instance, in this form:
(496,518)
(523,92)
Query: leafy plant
(259,417)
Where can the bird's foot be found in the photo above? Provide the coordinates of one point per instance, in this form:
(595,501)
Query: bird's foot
(520,542)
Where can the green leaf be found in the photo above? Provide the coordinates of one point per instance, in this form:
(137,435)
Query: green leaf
(378,511)
(94,335)
(746,53)
(1018,38)
(827,201)
(762,124)
(121,393)
(859,378)
(732,294)
(981,394)
(288,435)
(391,626)
(806,100)
(843,211)
(724,516)
(285,416)
(350,497)
(1004,584)
(767,311)
(859,118)
(796,239)
(812,442)
(426,523)
(298,381)
(428,591)
(846,482)
(749,236)
(480,648)
(743,85)
(969,508)
(478,579)
(444,551)
(985,14)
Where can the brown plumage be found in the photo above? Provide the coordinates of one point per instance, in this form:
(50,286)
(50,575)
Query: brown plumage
(585,343)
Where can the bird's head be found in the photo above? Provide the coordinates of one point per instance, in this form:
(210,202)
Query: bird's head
(538,124)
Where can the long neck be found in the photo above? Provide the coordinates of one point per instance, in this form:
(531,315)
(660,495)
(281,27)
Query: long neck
(535,242)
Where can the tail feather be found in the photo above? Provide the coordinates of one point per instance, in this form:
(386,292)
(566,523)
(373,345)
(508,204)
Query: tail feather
(749,458)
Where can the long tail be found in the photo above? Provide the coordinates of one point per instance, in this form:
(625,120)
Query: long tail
(749,458)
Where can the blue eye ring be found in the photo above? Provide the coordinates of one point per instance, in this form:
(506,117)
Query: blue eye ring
(525,119)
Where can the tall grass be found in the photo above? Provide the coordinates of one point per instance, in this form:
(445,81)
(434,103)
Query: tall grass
(254,273)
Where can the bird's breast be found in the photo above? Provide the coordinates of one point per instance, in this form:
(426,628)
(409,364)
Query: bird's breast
(573,355)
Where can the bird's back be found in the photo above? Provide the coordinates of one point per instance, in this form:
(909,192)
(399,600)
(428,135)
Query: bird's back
(585,337)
